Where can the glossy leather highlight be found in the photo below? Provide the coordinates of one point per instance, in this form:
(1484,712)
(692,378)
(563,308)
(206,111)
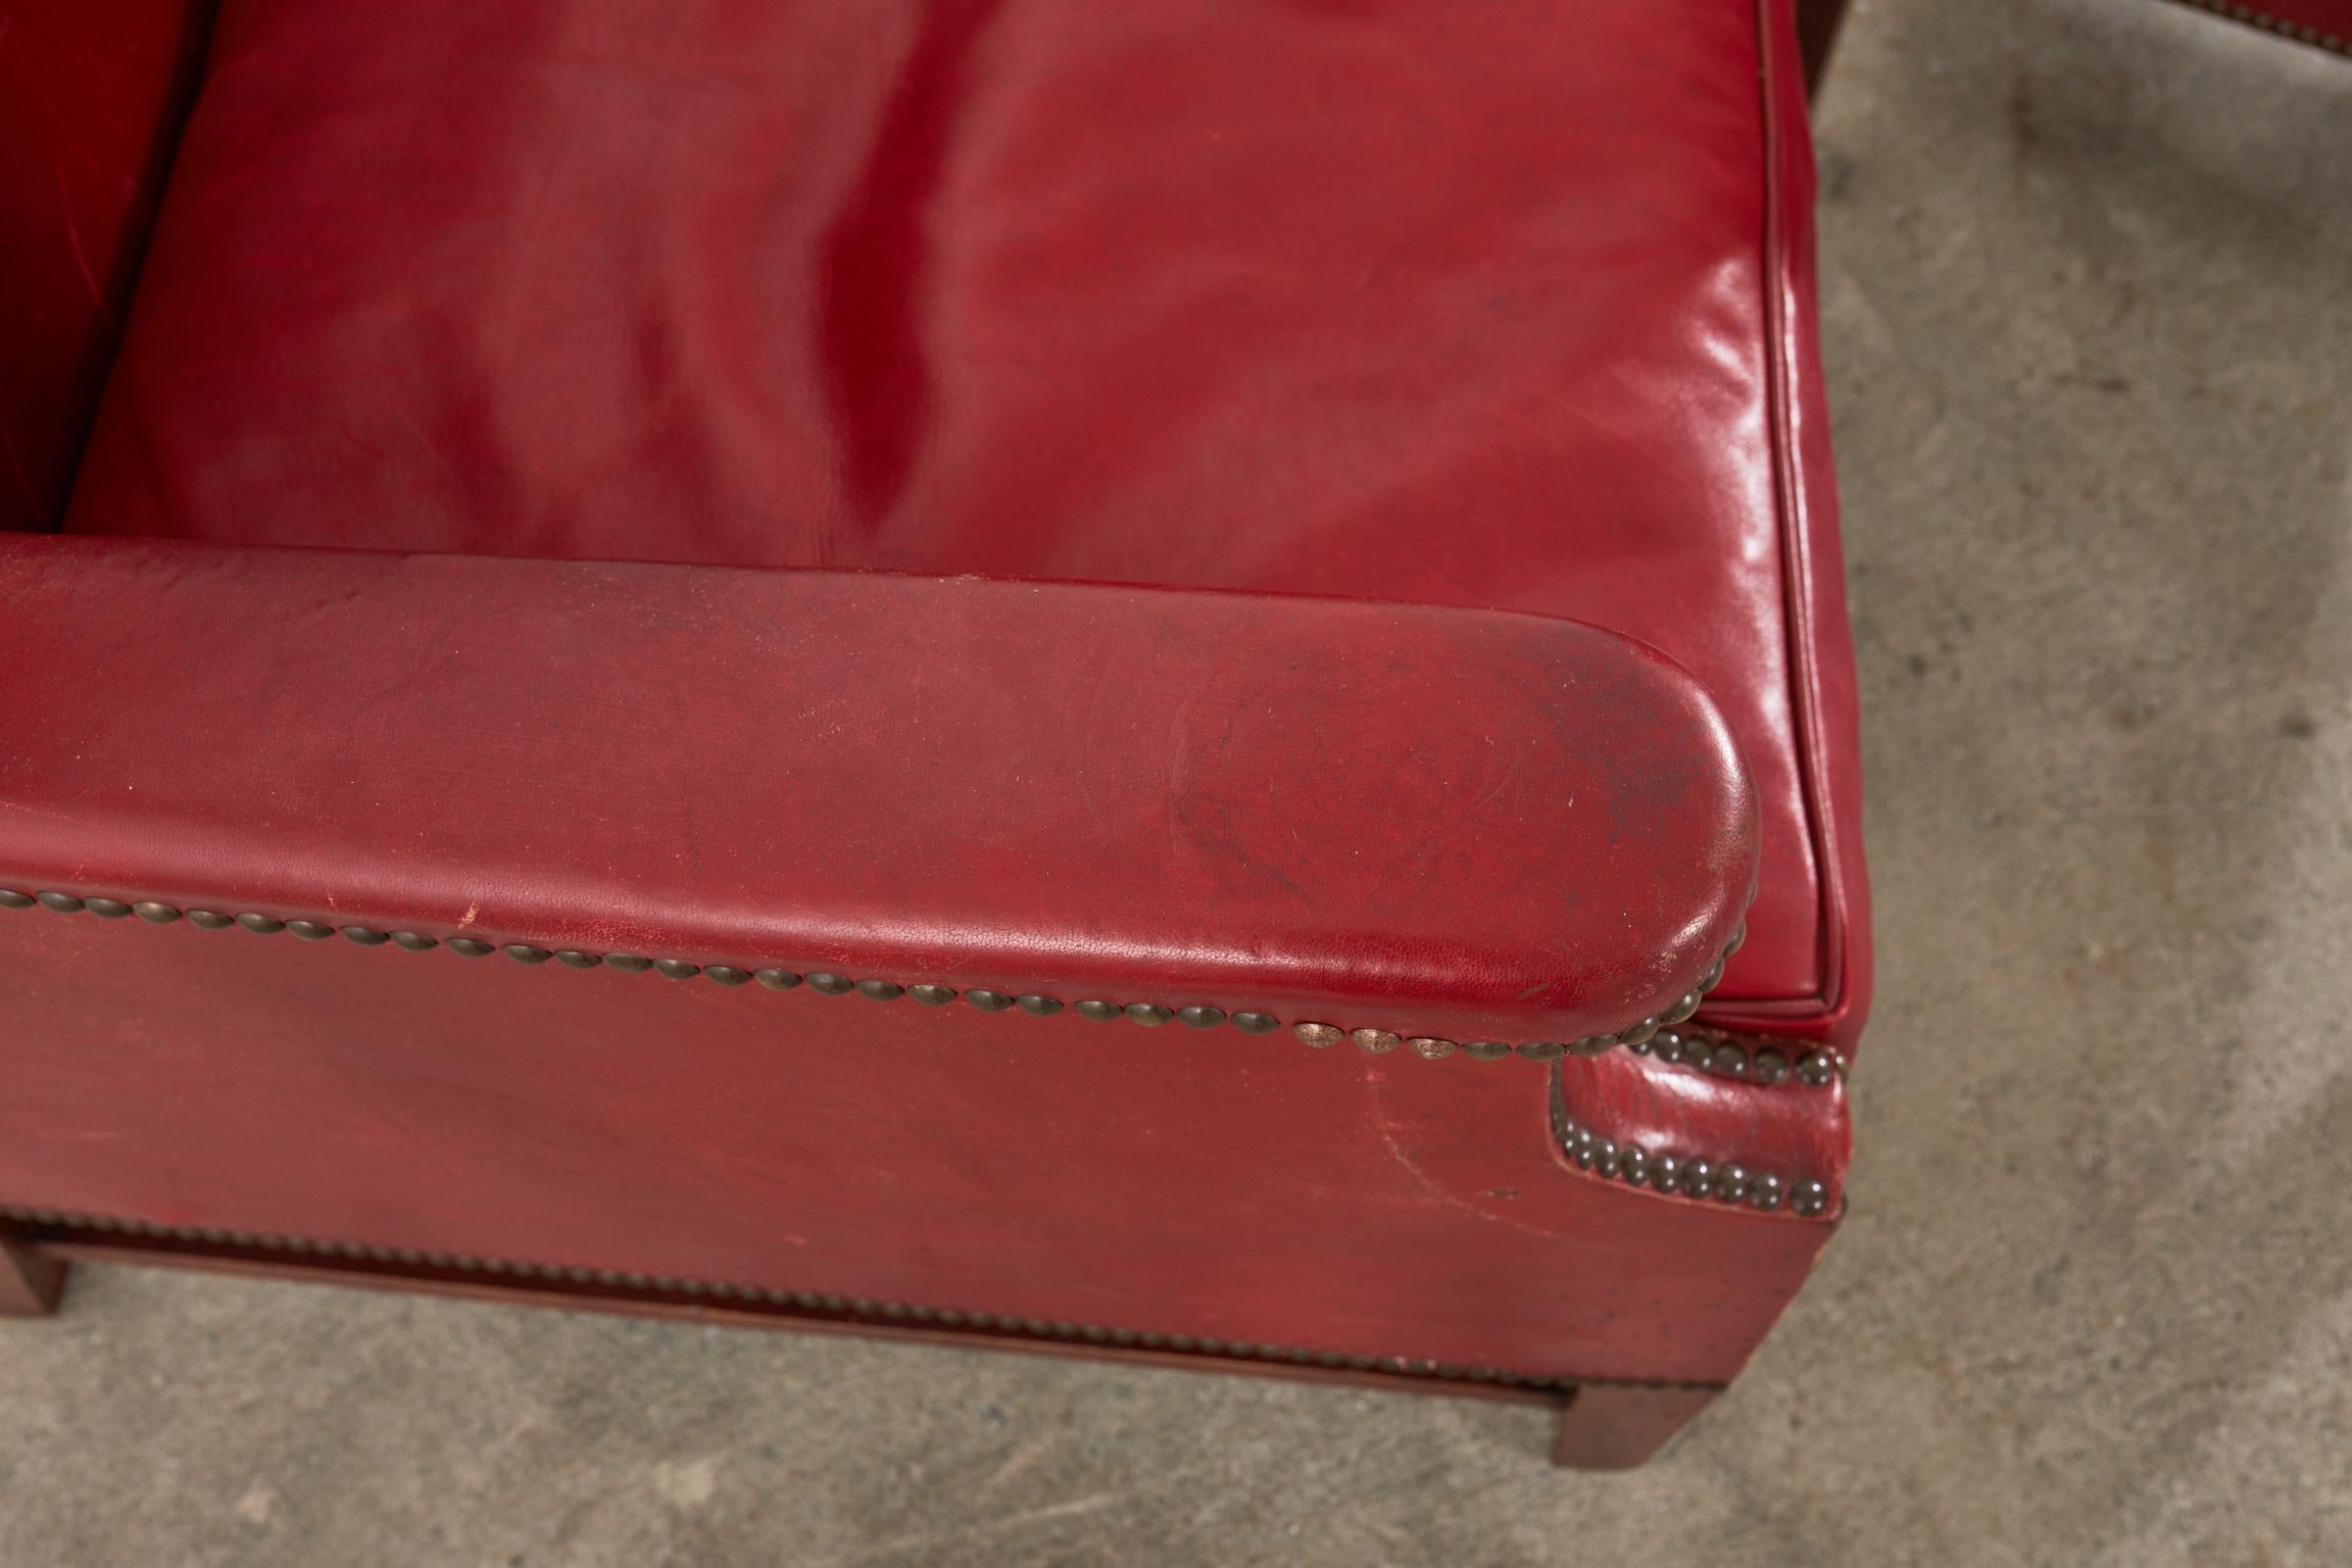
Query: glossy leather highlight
(1431,333)
(1489,308)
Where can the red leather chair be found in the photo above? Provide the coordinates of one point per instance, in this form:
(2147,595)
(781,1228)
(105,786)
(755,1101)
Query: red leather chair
(1098,679)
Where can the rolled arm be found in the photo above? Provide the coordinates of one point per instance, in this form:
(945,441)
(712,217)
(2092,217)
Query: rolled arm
(1437,823)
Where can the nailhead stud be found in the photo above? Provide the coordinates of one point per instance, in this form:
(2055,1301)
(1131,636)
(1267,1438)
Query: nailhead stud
(1817,1066)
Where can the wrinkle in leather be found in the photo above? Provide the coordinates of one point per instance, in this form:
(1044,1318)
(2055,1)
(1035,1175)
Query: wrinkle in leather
(1429,305)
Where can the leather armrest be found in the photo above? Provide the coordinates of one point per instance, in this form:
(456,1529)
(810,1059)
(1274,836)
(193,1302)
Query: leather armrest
(1426,820)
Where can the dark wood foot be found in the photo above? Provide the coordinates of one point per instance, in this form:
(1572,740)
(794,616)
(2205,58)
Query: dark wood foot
(1817,25)
(1607,1426)
(30,1281)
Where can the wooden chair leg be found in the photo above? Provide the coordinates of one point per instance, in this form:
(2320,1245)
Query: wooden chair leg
(1610,1426)
(1817,23)
(30,1281)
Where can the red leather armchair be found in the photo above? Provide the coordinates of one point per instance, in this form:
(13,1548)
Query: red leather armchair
(1160,682)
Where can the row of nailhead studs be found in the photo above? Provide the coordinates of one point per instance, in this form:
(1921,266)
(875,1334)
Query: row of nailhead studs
(1712,1052)
(1150,1014)
(806,1300)
(1689,1175)
(2277,25)
(1380,1041)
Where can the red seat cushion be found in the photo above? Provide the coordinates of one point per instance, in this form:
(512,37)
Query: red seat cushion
(1501,305)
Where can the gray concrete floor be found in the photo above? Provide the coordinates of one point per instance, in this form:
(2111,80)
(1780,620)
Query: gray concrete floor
(2087,277)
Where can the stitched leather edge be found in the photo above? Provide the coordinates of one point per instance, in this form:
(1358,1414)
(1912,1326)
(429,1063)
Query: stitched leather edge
(1791,511)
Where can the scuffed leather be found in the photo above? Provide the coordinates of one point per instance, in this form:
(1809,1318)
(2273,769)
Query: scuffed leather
(1209,1184)
(1506,307)
(1457,823)
(1444,304)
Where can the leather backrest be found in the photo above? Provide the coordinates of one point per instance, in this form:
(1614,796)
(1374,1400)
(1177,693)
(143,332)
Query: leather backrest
(92,95)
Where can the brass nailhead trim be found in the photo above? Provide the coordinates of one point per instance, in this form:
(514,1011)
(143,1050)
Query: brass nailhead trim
(1148,1014)
(1682,1175)
(1759,1061)
(814,1302)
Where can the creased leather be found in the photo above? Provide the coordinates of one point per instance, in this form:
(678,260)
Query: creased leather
(1434,305)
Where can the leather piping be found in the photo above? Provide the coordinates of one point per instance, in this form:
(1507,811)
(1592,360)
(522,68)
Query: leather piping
(37,1225)
(1804,686)
(1150,1014)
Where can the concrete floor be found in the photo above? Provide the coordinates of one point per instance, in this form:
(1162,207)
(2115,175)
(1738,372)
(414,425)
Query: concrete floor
(2088,273)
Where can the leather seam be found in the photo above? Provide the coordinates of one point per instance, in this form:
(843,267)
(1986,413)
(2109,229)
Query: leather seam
(1804,692)
(632,1286)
